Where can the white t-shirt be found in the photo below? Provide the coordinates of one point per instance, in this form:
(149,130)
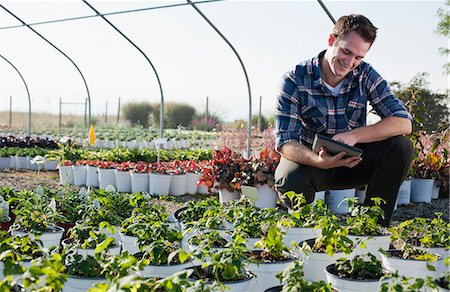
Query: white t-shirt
(334,90)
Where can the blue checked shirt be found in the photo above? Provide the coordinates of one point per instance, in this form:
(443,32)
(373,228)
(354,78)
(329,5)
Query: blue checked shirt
(305,106)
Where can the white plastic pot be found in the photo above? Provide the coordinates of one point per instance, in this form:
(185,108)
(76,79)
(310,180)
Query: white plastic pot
(315,263)
(267,197)
(299,234)
(436,188)
(404,193)
(409,268)
(22,162)
(191,183)
(163,271)
(202,189)
(139,182)
(421,190)
(49,239)
(319,196)
(349,285)
(335,198)
(91,176)
(266,273)
(106,177)
(123,181)
(79,175)
(129,243)
(159,184)
(65,175)
(5,162)
(178,185)
(78,284)
(372,245)
(225,196)
(50,164)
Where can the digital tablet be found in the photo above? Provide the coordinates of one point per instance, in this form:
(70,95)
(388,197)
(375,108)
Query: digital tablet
(334,147)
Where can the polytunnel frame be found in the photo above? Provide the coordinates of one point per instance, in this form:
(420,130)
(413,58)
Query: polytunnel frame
(28,92)
(161,110)
(50,43)
(189,2)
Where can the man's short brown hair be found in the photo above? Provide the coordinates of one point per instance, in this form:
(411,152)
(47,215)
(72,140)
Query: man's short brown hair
(355,22)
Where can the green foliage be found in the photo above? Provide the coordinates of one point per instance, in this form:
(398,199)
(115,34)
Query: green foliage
(178,114)
(264,122)
(429,109)
(393,282)
(293,280)
(363,220)
(443,29)
(361,267)
(137,113)
(304,215)
(272,243)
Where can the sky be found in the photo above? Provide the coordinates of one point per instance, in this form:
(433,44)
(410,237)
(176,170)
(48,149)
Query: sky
(192,61)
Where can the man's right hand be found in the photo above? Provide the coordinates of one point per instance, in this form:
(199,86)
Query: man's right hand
(327,160)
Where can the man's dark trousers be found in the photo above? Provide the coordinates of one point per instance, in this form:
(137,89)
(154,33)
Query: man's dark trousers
(383,168)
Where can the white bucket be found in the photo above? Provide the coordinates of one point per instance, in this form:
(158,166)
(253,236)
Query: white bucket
(404,193)
(139,182)
(91,176)
(421,190)
(335,197)
(65,175)
(178,185)
(191,183)
(159,184)
(106,177)
(123,181)
(79,175)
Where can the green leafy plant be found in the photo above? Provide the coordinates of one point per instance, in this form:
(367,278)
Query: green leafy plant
(333,238)
(86,236)
(272,245)
(228,264)
(304,215)
(393,282)
(363,220)
(293,280)
(361,267)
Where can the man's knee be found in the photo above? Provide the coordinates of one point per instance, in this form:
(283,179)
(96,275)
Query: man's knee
(404,149)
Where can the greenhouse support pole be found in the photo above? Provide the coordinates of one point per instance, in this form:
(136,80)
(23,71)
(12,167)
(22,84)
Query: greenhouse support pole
(28,94)
(51,44)
(249,128)
(161,115)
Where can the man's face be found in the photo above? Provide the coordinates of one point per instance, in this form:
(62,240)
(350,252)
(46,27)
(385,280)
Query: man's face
(346,54)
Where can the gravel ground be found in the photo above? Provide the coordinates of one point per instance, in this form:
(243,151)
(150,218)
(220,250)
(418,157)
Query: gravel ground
(31,179)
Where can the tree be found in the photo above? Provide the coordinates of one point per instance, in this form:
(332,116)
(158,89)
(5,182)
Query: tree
(137,113)
(263,122)
(178,114)
(429,109)
(444,30)
(213,123)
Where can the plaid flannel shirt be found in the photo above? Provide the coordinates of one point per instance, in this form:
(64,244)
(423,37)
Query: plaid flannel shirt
(305,106)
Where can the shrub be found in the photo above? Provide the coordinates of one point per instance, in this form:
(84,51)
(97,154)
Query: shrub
(178,114)
(137,113)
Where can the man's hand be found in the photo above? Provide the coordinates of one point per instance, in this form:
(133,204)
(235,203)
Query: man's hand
(348,138)
(327,161)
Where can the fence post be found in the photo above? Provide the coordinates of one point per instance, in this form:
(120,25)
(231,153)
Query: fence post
(118,111)
(259,116)
(206,115)
(60,105)
(10,111)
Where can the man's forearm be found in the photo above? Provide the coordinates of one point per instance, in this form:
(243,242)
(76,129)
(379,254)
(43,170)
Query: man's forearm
(299,153)
(386,128)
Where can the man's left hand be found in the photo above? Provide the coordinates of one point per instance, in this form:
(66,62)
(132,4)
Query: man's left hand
(347,138)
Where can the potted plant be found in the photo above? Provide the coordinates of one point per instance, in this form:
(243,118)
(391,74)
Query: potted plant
(160,179)
(211,241)
(426,234)
(260,174)
(106,176)
(179,177)
(162,252)
(364,230)
(250,222)
(425,165)
(411,262)
(301,222)
(79,173)
(324,250)
(5,220)
(88,240)
(139,175)
(225,174)
(227,267)
(273,257)
(193,172)
(36,216)
(393,281)
(70,204)
(364,270)
(292,279)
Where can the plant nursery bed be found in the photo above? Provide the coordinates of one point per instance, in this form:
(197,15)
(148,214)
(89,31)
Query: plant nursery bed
(31,179)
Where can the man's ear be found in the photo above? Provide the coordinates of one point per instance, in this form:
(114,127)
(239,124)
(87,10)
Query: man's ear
(331,39)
